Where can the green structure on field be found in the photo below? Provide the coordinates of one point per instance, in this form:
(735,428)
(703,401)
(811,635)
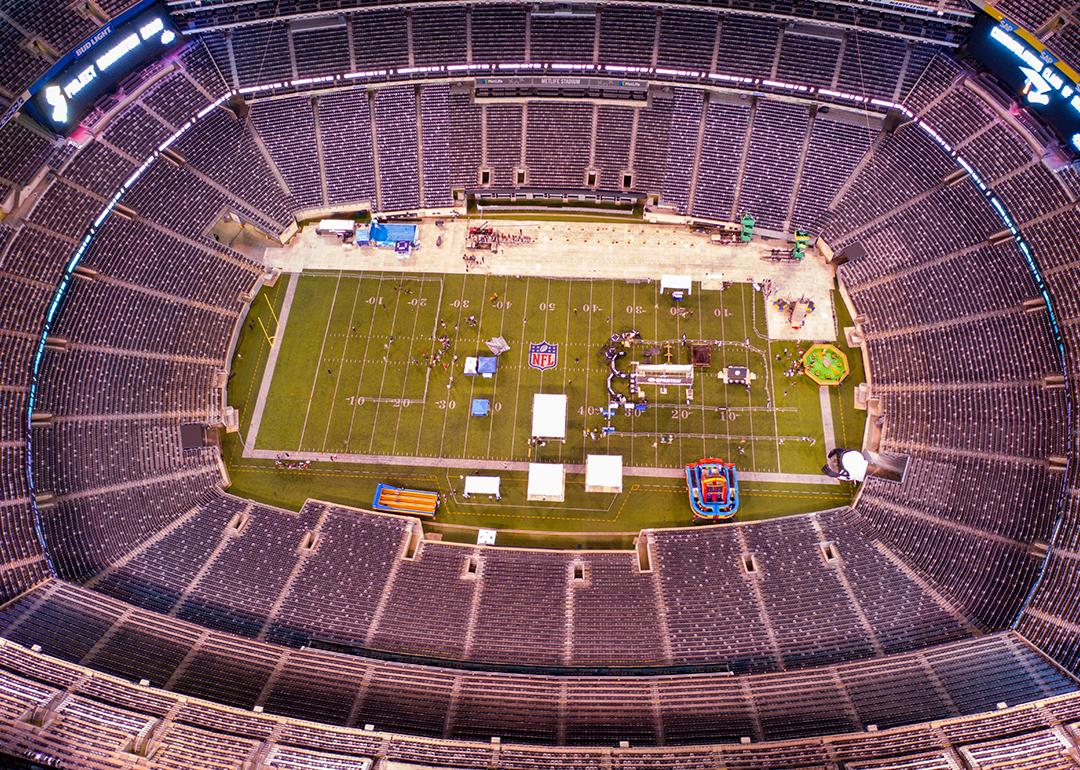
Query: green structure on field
(825,364)
(747,222)
(802,240)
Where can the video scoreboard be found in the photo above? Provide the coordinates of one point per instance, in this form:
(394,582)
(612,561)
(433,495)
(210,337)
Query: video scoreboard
(71,87)
(1044,84)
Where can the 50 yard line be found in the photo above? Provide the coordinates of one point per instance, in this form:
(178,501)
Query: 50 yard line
(566,355)
(521,364)
(588,372)
(547,302)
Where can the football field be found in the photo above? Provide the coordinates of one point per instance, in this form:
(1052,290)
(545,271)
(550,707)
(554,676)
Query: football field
(372,365)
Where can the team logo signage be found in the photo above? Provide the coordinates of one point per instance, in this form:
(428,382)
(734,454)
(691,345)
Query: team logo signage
(543,355)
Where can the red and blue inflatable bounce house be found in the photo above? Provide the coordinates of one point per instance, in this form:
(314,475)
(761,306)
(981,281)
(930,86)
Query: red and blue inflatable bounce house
(713,488)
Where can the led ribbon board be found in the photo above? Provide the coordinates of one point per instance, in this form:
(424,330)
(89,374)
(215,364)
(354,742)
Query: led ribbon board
(1043,83)
(69,90)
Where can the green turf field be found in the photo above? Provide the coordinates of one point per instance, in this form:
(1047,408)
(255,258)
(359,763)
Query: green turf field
(351,378)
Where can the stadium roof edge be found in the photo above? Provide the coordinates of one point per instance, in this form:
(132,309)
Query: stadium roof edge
(954,18)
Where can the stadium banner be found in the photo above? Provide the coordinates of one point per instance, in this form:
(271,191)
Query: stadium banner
(71,87)
(1042,82)
(561,87)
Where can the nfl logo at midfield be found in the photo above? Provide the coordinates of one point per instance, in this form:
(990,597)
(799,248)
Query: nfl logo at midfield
(543,355)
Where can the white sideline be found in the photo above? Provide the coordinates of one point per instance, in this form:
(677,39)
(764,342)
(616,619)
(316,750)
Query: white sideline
(516,465)
(271,363)
(826,418)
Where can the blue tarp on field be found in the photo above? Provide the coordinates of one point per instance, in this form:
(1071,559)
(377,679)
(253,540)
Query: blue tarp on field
(386,235)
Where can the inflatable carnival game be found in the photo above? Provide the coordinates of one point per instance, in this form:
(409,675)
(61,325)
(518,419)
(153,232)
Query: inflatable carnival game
(713,488)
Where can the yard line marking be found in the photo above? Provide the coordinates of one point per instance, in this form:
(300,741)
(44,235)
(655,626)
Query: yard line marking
(472,381)
(749,391)
(723,363)
(446,412)
(546,314)
(386,365)
(633,303)
(495,390)
(610,331)
(843,427)
(318,368)
(704,378)
(566,363)
(747,436)
(341,362)
(770,384)
(547,301)
(524,345)
(408,367)
(656,335)
(363,365)
(588,354)
(428,369)
(681,406)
